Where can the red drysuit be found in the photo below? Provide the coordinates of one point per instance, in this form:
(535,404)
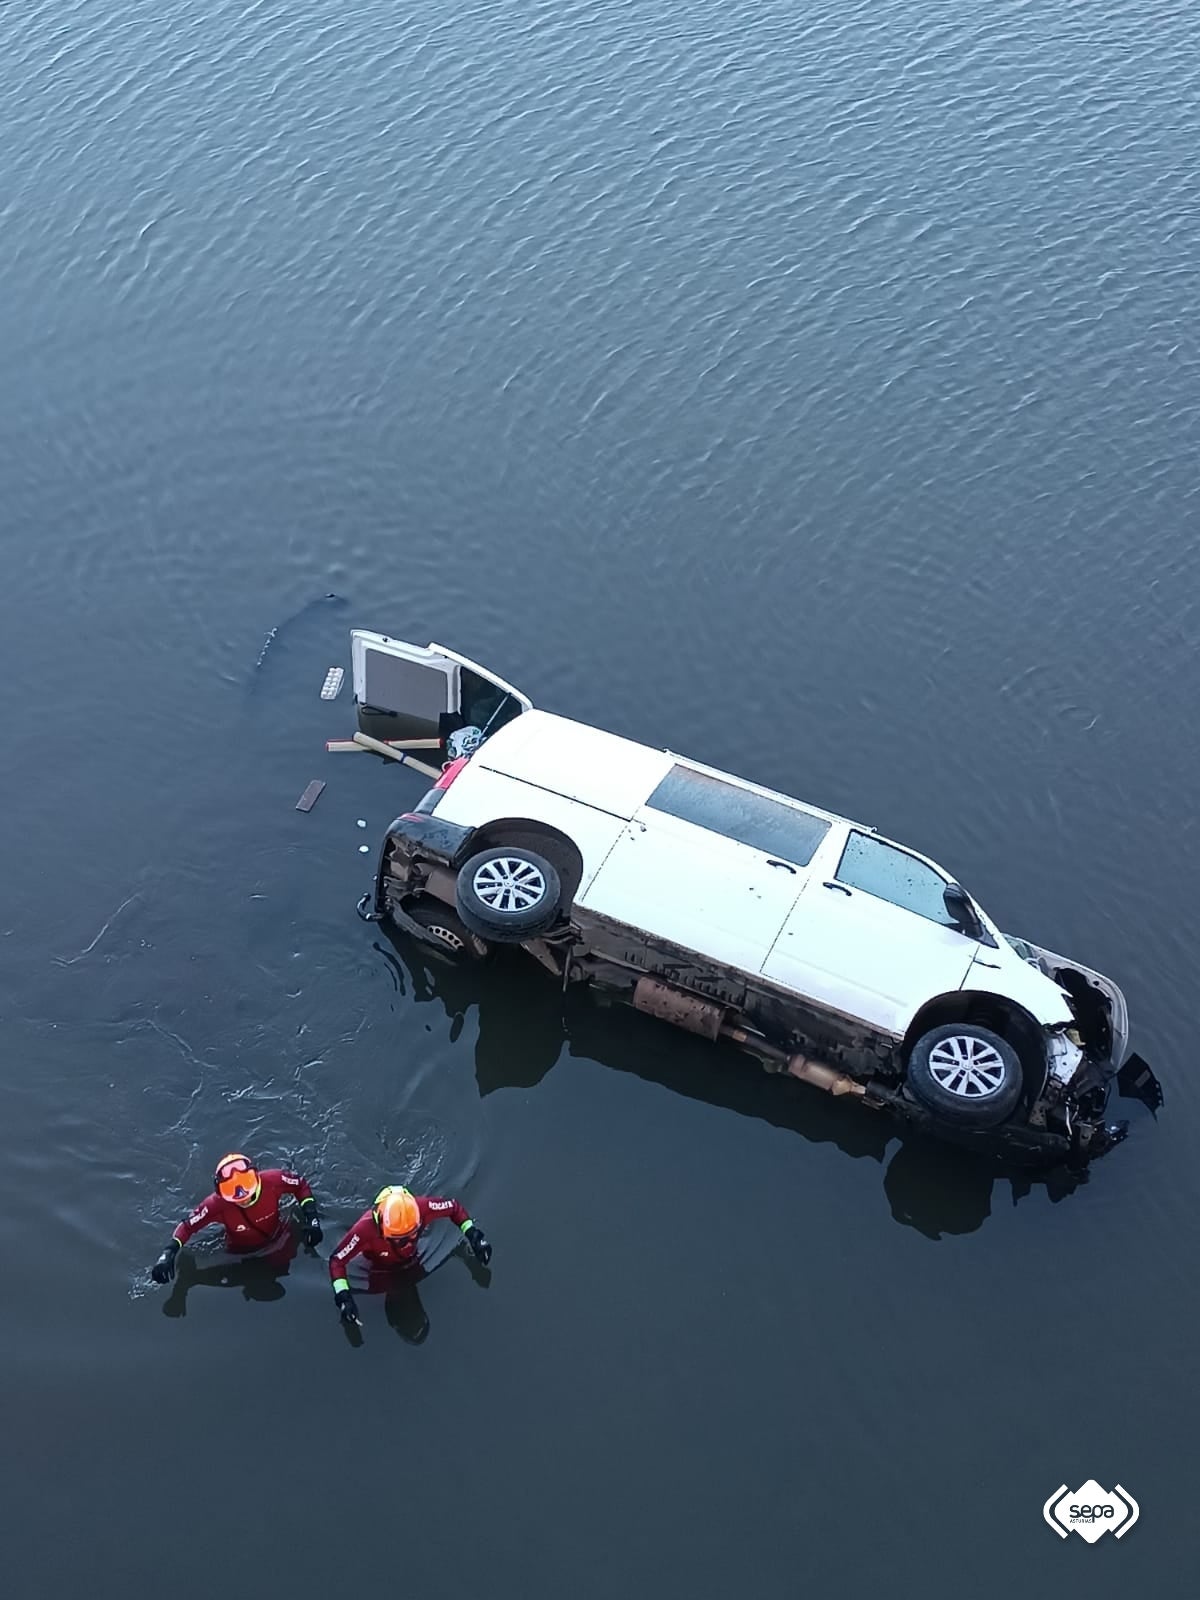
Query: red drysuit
(366,1239)
(252,1227)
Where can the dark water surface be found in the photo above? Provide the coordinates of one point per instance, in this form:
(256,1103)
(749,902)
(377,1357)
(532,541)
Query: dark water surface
(811,387)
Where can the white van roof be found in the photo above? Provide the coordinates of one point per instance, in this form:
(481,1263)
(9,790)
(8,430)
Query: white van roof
(569,758)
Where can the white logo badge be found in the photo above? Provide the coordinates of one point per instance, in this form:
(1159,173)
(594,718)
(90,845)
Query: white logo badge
(1091,1511)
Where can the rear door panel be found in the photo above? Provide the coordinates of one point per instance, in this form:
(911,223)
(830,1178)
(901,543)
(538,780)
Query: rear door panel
(411,691)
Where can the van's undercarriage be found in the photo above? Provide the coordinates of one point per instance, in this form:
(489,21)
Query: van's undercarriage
(1067,1073)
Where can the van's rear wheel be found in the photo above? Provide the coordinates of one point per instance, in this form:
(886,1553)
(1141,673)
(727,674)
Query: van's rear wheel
(508,894)
(968,1075)
(443,924)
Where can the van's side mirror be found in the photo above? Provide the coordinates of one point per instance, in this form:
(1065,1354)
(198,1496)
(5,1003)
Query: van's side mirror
(966,918)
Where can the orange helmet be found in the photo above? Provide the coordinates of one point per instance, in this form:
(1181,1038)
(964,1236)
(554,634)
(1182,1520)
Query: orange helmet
(237,1179)
(396,1212)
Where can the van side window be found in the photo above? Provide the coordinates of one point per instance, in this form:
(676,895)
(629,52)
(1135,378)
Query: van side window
(752,819)
(880,869)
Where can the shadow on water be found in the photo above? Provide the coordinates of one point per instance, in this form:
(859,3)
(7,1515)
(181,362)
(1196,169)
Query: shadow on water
(525,1021)
(403,1309)
(258,1277)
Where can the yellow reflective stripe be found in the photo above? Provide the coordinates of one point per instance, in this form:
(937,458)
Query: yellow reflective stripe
(339,1284)
(464,1226)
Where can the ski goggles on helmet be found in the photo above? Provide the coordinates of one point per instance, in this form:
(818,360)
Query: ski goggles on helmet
(237,1180)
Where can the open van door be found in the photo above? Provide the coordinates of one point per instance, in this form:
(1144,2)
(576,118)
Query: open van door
(413,691)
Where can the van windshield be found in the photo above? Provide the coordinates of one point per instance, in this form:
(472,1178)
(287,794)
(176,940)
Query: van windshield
(752,819)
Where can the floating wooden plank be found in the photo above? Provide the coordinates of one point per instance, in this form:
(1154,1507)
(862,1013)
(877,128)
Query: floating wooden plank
(341,747)
(382,749)
(332,686)
(311,795)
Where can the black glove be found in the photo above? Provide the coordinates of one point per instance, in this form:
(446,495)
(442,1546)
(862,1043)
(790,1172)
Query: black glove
(310,1225)
(163,1269)
(344,1301)
(480,1248)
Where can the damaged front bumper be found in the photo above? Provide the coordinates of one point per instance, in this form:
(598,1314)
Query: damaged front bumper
(1099,1006)
(1071,1108)
(1016,1141)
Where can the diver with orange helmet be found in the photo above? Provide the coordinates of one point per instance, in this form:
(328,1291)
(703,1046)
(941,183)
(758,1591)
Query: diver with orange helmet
(246,1202)
(386,1237)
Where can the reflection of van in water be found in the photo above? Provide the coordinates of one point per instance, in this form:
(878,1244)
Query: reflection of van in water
(833,955)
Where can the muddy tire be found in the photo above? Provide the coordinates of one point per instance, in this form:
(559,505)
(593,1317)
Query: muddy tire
(508,894)
(968,1075)
(447,928)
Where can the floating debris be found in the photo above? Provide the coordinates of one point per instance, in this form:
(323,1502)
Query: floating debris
(380,748)
(311,795)
(332,686)
(339,747)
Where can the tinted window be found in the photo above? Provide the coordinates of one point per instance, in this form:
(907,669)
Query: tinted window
(891,874)
(484,703)
(753,819)
(410,687)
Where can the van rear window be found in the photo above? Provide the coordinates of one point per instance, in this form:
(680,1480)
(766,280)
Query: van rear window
(752,819)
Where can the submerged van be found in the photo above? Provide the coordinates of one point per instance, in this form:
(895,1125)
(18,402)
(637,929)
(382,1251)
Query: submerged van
(833,955)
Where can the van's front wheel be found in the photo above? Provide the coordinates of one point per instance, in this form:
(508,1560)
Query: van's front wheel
(969,1075)
(508,894)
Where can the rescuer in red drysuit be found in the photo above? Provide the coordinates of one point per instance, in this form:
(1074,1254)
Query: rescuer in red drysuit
(246,1202)
(386,1237)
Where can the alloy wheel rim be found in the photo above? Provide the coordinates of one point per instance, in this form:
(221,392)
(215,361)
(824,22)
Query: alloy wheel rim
(509,884)
(968,1067)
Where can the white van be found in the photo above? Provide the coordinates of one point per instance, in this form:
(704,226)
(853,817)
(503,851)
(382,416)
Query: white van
(834,955)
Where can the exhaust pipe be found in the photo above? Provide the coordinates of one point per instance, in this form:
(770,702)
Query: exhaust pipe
(827,1078)
(683,1010)
(707,1018)
(797,1066)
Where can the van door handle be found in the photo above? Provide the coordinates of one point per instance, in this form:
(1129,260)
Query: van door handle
(840,886)
(786,865)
